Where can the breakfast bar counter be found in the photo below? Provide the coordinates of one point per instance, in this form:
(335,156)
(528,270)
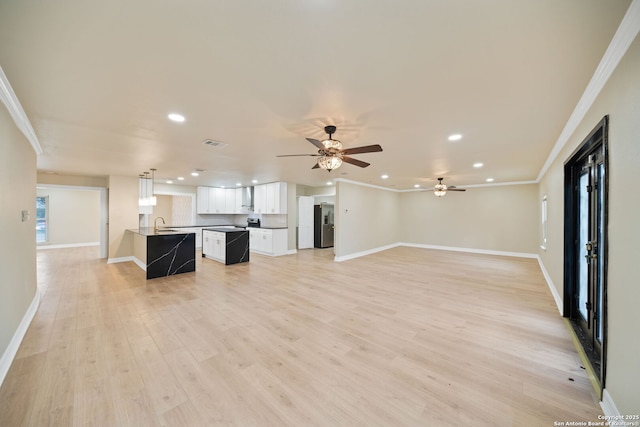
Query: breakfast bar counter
(164,252)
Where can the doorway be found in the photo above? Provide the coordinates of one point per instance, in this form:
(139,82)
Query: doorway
(585,251)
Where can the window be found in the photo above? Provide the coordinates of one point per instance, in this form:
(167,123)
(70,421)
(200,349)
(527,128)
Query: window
(42,215)
(543,245)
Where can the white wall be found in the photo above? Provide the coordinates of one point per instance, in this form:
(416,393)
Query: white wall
(18,242)
(366,218)
(73,215)
(123,215)
(620,99)
(497,218)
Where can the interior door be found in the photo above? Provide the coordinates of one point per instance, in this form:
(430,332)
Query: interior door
(585,246)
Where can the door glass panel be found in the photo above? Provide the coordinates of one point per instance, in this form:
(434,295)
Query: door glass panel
(41,219)
(583,238)
(600,282)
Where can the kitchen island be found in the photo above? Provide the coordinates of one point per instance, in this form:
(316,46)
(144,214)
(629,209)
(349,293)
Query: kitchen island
(226,245)
(164,252)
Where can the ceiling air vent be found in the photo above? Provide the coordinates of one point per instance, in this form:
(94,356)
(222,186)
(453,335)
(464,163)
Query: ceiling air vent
(214,143)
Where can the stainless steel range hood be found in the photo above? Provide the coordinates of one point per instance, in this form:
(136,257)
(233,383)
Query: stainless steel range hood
(247,198)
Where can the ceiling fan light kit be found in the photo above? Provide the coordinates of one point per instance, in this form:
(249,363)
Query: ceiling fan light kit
(331,155)
(440,189)
(329,163)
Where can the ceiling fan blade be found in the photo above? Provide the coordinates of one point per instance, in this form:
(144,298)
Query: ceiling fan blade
(315,166)
(297,155)
(316,143)
(355,161)
(363,149)
(455,189)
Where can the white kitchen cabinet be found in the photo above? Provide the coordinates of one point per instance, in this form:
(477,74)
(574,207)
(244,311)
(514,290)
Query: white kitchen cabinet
(202,200)
(260,198)
(270,198)
(213,200)
(233,198)
(214,245)
(219,204)
(207,243)
(268,241)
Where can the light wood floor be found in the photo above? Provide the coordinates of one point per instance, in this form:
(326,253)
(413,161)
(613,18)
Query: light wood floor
(405,337)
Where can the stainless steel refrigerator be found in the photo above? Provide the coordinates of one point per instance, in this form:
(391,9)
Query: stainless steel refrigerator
(323,225)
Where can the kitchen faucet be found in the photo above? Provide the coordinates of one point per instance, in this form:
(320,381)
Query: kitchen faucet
(155,223)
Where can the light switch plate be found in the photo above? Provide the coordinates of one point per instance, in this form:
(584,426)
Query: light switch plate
(25,216)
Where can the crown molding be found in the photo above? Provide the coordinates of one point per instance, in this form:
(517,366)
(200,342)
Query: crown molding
(411,190)
(363,184)
(10,100)
(624,36)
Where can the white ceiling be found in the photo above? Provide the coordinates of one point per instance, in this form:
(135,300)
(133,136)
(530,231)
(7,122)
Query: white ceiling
(97,80)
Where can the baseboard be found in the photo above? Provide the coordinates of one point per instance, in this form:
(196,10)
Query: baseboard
(436,247)
(121,259)
(12,349)
(67,245)
(608,406)
(470,250)
(139,263)
(552,288)
(364,253)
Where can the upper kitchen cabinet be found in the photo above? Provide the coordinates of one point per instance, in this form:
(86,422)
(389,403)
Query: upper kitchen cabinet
(270,198)
(212,200)
(202,200)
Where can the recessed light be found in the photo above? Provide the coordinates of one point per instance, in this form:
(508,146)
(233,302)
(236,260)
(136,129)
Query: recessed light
(195,174)
(181,178)
(455,137)
(384,176)
(478,165)
(169,181)
(254,181)
(489,179)
(329,183)
(174,117)
(416,186)
(238,184)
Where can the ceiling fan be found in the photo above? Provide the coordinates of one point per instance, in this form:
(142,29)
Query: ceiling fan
(331,155)
(440,189)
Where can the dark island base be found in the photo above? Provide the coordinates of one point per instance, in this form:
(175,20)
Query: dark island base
(170,254)
(237,247)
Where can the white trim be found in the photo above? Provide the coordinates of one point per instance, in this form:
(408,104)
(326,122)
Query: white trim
(411,190)
(498,184)
(10,100)
(40,186)
(471,250)
(552,288)
(12,349)
(132,258)
(608,406)
(626,33)
(440,248)
(121,259)
(67,245)
(364,253)
(362,184)
(139,263)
